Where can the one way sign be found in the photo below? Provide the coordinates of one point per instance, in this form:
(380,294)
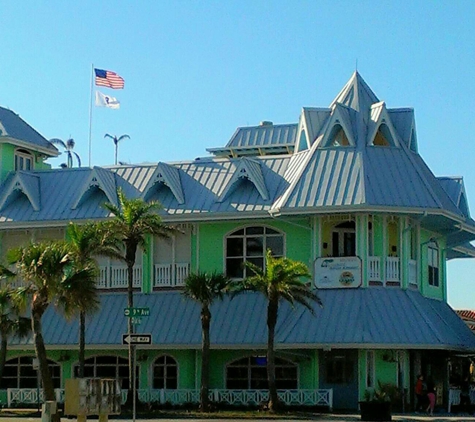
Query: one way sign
(136,338)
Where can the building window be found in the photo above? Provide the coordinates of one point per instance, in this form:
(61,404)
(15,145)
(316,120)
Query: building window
(250,245)
(433,264)
(108,367)
(338,137)
(19,373)
(370,369)
(251,374)
(383,137)
(23,160)
(165,373)
(344,239)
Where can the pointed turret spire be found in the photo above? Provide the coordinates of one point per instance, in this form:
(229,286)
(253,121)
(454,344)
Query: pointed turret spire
(356,94)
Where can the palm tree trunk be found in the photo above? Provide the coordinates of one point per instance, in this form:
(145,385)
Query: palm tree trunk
(272,309)
(130,328)
(205,346)
(3,354)
(82,342)
(37,310)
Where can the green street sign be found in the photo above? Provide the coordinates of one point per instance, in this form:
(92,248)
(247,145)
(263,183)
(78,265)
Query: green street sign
(136,320)
(136,312)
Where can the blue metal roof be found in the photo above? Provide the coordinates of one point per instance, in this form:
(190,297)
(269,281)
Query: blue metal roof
(361,318)
(13,126)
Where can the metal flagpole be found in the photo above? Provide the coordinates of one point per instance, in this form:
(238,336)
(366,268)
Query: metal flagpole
(90,115)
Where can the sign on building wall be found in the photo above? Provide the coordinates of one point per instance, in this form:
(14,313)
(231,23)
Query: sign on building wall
(338,273)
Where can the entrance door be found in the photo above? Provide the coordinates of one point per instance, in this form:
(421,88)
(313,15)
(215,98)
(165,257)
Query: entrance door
(339,371)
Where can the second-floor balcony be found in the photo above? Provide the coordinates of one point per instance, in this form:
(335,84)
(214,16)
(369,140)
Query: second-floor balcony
(164,275)
(392,270)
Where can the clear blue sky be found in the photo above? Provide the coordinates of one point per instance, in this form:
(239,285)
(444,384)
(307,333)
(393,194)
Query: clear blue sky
(196,70)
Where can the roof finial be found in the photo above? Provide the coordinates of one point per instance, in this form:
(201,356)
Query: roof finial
(356,65)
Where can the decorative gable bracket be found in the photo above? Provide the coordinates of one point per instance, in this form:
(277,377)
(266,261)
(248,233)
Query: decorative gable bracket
(28,185)
(99,179)
(169,176)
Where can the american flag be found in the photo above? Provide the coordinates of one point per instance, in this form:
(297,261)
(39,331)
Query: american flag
(108,79)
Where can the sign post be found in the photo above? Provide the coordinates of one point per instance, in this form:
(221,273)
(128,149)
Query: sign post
(134,314)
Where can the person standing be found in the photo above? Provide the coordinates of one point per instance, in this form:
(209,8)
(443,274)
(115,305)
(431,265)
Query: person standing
(431,397)
(420,393)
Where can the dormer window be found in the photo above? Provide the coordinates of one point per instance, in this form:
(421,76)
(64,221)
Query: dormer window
(383,137)
(338,137)
(23,160)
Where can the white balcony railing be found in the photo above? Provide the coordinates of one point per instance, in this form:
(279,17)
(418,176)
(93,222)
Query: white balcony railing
(392,269)
(170,275)
(374,268)
(321,397)
(116,277)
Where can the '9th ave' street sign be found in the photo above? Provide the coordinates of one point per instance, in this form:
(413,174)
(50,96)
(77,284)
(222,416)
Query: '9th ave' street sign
(136,312)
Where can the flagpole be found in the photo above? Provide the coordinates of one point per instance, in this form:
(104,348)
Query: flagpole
(90,115)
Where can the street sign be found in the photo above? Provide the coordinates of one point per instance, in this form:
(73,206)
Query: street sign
(136,338)
(136,320)
(136,312)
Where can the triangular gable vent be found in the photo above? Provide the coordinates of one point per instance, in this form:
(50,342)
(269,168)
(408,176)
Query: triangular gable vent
(101,179)
(381,131)
(250,170)
(28,185)
(169,176)
(338,131)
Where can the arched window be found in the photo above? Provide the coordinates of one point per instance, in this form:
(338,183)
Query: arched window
(108,367)
(165,373)
(20,373)
(344,239)
(433,263)
(23,160)
(338,137)
(250,245)
(251,373)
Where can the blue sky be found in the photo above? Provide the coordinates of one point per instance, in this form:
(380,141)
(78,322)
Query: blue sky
(196,70)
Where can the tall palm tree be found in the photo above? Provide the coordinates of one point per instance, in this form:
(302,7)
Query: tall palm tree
(50,277)
(133,220)
(205,289)
(11,323)
(281,279)
(68,149)
(85,242)
(116,140)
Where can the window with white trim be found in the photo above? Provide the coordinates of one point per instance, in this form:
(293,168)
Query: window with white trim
(19,373)
(250,245)
(108,367)
(337,137)
(165,373)
(370,369)
(433,263)
(251,374)
(23,160)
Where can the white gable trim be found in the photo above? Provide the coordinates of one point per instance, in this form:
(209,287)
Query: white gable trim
(338,117)
(97,179)
(379,115)
(251,170)
(27,184)
(169,176)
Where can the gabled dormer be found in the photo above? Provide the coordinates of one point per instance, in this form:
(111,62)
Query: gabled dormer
(166,176)
(100,181)
(381,131)
(338,130)
(248,170)
(311,122)
(21,146)
(405,124)
(22,184)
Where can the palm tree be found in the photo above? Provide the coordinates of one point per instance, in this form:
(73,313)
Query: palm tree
(85,242)
(50,277)
(205,289)
(133,221)
(68,149)
(116,143)
(280,279)
(11,324)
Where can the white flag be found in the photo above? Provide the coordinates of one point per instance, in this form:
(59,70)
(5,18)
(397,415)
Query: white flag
(103,100)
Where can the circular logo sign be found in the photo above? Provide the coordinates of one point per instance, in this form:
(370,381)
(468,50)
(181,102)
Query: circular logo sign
(347,278)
